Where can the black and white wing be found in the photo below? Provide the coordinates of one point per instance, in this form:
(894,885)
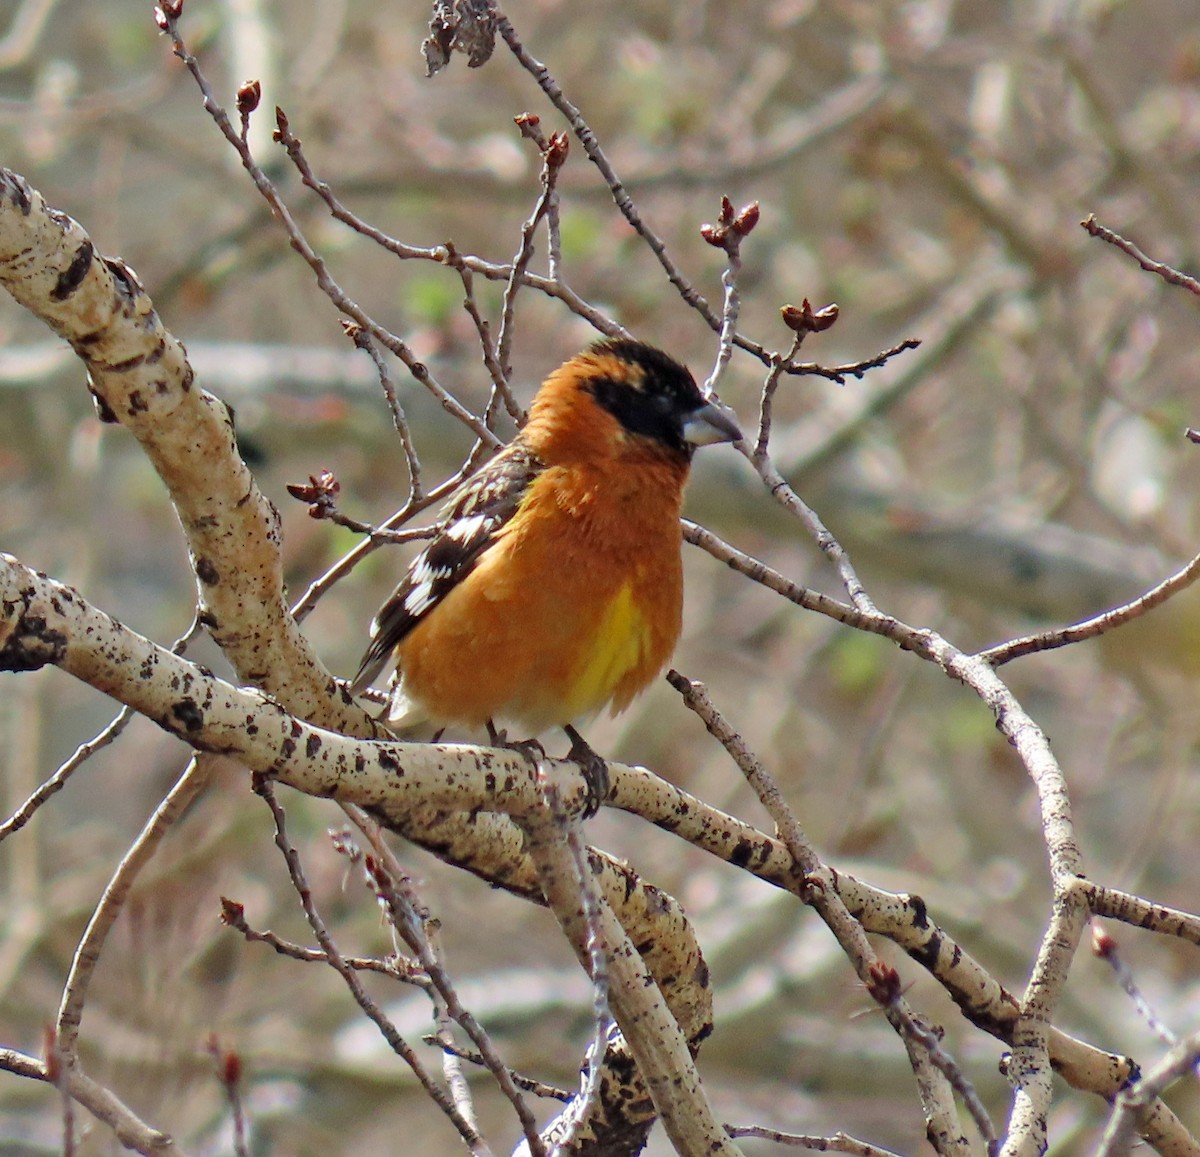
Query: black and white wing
(468,525)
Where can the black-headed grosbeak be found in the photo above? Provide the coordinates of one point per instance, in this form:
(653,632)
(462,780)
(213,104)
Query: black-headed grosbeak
(553,585)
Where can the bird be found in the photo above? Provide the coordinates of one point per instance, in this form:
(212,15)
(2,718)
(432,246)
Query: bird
(552,585)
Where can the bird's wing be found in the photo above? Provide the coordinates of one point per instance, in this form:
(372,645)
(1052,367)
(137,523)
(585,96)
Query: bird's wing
(466,527)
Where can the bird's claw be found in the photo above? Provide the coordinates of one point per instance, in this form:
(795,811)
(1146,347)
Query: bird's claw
(531,749)
(594,769)
(591,765)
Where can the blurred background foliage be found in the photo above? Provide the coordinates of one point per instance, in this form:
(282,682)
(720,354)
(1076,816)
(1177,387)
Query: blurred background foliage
(924,164)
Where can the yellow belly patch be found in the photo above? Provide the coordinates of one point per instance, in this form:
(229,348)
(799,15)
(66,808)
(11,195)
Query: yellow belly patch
(619,645)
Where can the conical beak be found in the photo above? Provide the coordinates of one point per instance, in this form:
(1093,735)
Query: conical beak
(711,423)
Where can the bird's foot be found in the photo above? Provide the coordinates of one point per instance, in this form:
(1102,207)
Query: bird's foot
(592,765)
(594,769)
(530,748)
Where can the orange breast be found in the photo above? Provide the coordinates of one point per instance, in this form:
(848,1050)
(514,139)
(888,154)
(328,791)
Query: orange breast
(576,607)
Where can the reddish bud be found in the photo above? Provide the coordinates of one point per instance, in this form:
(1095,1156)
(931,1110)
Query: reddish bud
(342,841)
(883,983)
(229,1064)
(825,317)
(804,319)
(746,219)
(793,318)
(232,913)
(173,8)
(557,149)
(231,1067)
(1104,943)
(319,492)
(160,18)
(731,226)
(248,96)
(529,120)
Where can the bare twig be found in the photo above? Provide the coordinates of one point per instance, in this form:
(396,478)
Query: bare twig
(727,234)
(1169,274)
(1097,625)
(58,780)
(378,535)
(1133,1103)
(1105,946)
(233,916)
(886,988)
(141,851)
(838,1143)
(362,340)
(298,240)
(500,385)
(397,895)
(127,1127)
(529,1084)
(475,1142)
(944,1131)
(766,402)
(83,753)
(446,254)
(229,1072)
(857,369)
(554,156)
(596,952)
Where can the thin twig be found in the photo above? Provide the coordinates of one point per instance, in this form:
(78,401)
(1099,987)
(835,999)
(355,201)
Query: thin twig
(529,1084)
(837,1143)
(56,782)
(597,957)
(299,241)
(398,897)
(338,571)
(362,340)
(766,402)
(127,1127)
(931,1042)
(857,369)
(1132,1104)
(554,156)
(1105,946)
(418,925)
(1169,274)
(233,916)
(397,894)
(229,1073)
(727,235)
(944,1130)
(500,385)
(264,787)
(141,851)
(1097,625)
(83,752)
(447,254)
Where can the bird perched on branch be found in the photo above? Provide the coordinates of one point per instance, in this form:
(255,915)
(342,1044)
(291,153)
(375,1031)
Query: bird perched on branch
(553,585)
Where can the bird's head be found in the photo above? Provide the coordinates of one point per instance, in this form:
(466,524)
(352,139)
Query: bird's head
(634,394)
